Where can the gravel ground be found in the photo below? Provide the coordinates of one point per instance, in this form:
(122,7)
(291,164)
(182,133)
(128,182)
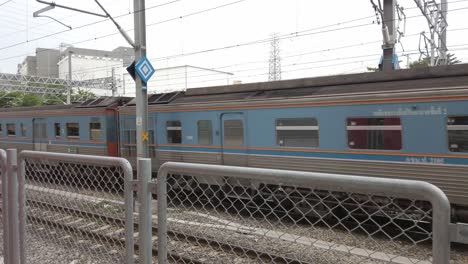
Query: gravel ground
(237,230)
(40,251)
(279,238)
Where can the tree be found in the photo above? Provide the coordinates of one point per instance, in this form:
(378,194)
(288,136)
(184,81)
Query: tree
(421,63)
(425,62)
(451,59)
(30,100)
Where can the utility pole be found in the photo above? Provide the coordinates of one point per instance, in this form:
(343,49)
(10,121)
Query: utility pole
(389,31)
(387,14)
(140,93)
(69,77)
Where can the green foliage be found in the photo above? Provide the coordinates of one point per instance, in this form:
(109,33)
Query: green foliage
(425,62)
(422,63)
(372,69)
(18,99)
(31,100)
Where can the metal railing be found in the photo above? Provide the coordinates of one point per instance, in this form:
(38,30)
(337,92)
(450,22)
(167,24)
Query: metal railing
(4,201)
(212,213)
(83,205)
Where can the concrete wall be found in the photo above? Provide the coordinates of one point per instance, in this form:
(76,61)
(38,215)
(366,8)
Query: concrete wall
(47,60)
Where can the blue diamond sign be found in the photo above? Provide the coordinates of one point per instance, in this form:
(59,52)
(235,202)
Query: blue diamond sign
(144,69)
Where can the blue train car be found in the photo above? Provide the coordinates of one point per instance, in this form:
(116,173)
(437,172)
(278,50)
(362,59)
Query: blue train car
(86,128)
(410,124)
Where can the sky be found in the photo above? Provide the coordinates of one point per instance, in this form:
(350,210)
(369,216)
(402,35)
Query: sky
(317,37)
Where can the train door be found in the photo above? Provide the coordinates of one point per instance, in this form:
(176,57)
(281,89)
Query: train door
(40,134)
(233,139)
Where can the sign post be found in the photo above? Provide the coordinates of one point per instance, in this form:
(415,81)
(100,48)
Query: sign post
(141,94)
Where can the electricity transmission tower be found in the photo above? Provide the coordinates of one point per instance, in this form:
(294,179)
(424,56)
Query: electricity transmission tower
(274,73)
(436,39)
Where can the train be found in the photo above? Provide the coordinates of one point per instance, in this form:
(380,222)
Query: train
(405,124)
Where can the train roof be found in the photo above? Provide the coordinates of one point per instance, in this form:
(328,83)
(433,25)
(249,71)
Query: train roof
(339,80)
(361,83)
(101,102)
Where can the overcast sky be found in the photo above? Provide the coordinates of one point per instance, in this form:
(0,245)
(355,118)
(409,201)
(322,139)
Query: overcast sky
(186,26)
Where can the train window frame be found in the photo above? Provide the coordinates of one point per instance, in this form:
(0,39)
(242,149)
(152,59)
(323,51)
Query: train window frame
(68,130)
(315,127)
(448,134)
(8,129)
(92,131)
(59,126)
(23,129)
(401,129)
(171,125)
(1,129)
(225,136)
(128,137)
(209,134)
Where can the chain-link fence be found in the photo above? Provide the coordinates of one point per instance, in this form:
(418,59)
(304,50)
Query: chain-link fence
(222,214)
(78,208)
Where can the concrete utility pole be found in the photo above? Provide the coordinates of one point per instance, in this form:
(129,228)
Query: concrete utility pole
(141,94)
(389,31)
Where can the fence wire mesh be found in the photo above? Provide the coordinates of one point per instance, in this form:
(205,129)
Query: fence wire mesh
(217,219)
(75,209)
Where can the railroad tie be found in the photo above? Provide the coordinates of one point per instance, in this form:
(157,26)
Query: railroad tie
(76,221)
(87,225)
(101,228)
(117,232)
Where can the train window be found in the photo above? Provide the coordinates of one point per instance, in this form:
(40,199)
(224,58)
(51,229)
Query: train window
(374,133)
(23,130)
(457,130)
(73,130)
(174,132)
(1,129)
(11,130)
(205,132)
(233,133)
(152,149)
(129,137)
(297,132)
(57,130)
(95,131)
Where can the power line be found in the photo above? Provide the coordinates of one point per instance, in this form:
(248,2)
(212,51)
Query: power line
(290,35)
(4,3)
(86,25)
(262,61)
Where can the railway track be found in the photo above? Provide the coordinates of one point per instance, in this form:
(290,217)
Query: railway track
(251,209)
(111,229)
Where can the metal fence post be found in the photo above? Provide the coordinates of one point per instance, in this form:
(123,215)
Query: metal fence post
(22,211)
(162,214)
(440,225)
(144,176)
(129,209)
(5,222)
(14,254)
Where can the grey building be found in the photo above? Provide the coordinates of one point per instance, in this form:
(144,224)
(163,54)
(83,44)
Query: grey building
(125,53)
(28,66)
(45,63)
